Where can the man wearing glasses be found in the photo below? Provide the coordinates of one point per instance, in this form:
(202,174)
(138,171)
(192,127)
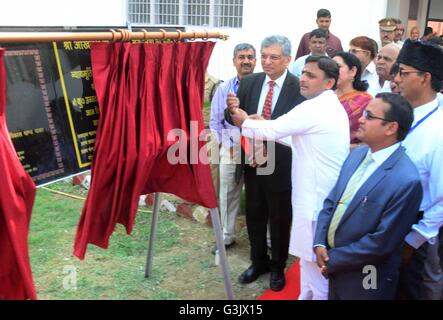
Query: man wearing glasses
(371,208)
(420,79)
(365,49)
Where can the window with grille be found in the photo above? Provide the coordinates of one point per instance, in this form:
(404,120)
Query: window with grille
(167,12)
(210,13)
(197,12)
(229,13)
(139,11)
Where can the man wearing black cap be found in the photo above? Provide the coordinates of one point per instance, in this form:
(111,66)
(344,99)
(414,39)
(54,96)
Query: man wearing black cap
(420,79)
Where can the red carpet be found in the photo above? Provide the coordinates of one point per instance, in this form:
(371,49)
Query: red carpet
(292,288)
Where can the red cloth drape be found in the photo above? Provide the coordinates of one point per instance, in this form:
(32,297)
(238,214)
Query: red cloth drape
(17,193)
(144,92)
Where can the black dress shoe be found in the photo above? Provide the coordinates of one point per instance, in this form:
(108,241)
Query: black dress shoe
(277,282)
(252,273)
(227,246)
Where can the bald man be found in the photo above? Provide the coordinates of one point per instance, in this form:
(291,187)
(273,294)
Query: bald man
(383,64)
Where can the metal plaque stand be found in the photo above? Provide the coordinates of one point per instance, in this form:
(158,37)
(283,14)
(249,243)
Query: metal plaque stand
(218,240)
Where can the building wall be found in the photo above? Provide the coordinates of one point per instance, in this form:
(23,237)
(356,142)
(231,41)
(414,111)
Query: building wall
(436,10)
(293,19)
(261,18)
(63,13)
(399,9)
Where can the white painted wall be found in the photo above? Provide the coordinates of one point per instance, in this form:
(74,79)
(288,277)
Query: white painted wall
(261,18)
(63,13)
(399,9)
(293,19)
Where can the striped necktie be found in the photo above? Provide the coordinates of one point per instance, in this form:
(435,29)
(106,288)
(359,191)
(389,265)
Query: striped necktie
(249,145)
(346,198)
(267,107)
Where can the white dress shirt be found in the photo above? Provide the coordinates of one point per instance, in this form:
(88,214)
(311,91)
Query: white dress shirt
(378,158)
(276,93)
(319,131)
(399,43)
(374,86)
(296,68)
(424,145)
(370,74)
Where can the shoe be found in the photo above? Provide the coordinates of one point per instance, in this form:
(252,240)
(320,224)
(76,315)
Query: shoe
(227,246)
(277,280)
(252,273)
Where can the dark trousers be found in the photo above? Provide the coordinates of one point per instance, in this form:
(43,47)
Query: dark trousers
(411,279)
(263,205)
(440,248)
(412,276)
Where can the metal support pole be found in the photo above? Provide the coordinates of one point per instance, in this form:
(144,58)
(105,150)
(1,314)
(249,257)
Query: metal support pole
(153,235)
(218,240)
(222,252)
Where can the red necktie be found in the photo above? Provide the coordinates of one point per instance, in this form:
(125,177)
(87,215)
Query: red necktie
(267,107)
(266,113)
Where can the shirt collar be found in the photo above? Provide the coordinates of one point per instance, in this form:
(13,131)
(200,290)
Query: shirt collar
(371,68)
(310,54)
(423,110)
(381,155)
(279,81)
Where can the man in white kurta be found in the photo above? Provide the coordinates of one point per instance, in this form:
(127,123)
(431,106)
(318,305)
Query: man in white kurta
(319,136)
(419,79)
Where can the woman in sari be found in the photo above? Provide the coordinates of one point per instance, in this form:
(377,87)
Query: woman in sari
(351,90)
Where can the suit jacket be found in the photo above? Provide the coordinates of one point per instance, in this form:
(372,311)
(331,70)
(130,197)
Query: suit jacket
(373,227)
(249,96)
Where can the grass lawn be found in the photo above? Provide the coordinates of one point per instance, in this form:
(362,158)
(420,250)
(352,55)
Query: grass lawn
(183,265)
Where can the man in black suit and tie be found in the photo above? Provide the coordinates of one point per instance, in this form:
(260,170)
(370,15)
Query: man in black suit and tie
(270,94)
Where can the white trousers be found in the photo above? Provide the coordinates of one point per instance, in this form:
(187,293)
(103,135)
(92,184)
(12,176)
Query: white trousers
(313,286)
(229,195)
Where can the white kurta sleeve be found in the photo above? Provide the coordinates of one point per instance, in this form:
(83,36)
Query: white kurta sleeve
(299,120)
(432,221)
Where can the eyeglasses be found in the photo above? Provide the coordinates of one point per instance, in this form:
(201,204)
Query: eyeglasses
(354,51)
(369,116)
(403,73)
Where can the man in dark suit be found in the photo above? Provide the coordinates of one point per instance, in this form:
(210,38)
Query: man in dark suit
(360,231)
(271,94)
